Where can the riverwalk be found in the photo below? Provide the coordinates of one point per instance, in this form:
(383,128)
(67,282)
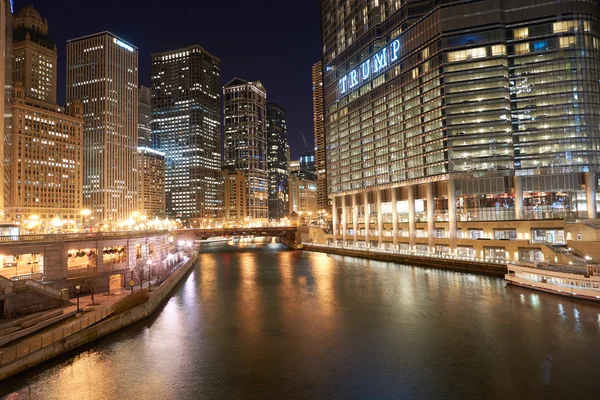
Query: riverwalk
(100,319)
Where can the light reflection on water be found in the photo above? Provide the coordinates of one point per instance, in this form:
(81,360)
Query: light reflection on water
(258,321)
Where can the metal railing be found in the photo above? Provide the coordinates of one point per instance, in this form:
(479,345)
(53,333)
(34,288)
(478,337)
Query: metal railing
(38,276)
(13,353)
(81,272)
(75,236)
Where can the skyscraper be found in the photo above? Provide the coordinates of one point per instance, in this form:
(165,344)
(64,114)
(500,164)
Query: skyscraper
(47,140)
(151,188)
(5,96)
(451,112)
(245,118)
(144,117)
(186,128)
(277,153)
(35,56)
(319,132)
(102,71)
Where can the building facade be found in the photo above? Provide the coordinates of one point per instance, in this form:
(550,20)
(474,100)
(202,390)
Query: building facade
(245,117)
(234,188)
(303,193)
(151,191)
(45,184)
(5,97)
(277,153)
(35,56)
(102,72)
(186,127)
(144,117)
(319,133)
(457,113)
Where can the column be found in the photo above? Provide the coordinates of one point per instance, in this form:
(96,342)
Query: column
(590,194)
(367,218)
(344,219)
(335,218)
(355,216)
(412,222)
(452,214)
(430,216)
(380,216)
(395,215)
(518,188)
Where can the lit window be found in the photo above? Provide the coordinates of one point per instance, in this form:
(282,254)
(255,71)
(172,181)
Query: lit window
(567,41)
(522,33)
(521,48)
(564,26)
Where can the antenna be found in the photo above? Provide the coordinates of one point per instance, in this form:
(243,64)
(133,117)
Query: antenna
(304,138)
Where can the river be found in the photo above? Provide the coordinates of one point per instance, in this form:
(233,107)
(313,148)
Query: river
(261,321)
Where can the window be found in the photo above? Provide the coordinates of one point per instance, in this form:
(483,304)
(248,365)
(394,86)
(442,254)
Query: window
(521,48)
(505,234)
(499,50)
(564,26)
(469,54)
(567,41)
(522,33)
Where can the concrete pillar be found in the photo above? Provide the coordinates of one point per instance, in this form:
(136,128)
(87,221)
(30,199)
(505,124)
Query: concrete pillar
(344,219)
(430,216)
(367,218)
(412,222)
(518,187)
(335,218)
(452,214)
(590,194)
(355,216)
(395,215)
(380,216)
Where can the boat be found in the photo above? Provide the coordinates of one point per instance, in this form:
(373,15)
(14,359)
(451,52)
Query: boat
(213,240)
(570,281)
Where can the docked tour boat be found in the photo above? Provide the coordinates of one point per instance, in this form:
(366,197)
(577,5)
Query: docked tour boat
(213,240)
(570,281)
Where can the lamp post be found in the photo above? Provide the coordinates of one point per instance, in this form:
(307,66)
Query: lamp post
(77,290)
(149,263)
(85,214)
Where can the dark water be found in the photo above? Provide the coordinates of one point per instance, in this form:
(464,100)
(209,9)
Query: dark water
(264,322)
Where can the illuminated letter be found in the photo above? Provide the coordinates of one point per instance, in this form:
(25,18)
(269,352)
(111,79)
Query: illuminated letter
(353,78)
(343,84)
(380,60)
(395,49)
(365,70)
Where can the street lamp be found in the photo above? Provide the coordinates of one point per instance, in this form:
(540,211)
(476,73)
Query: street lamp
(85,213)
(149,263)
(77,290)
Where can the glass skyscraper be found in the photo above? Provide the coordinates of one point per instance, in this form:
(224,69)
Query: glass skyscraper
(186,127)
(449,112)
(278,150)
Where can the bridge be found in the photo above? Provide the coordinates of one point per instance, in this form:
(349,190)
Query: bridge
(286,232)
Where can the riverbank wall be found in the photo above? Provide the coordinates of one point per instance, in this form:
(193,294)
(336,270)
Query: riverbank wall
(85,330)
(449,263)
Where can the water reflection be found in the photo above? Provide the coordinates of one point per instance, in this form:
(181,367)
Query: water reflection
(260,321)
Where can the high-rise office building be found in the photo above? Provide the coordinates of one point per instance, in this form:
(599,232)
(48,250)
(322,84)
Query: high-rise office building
(234,189)
(47,140)
(308,167)
(303,198)
(151,191)
(144,117)
(102,71)
(457,112)
(245,118)
(6,9)
(319,132)
(277,159)
(35,56)
(186,128)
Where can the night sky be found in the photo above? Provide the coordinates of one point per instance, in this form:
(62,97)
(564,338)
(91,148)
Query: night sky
(275,42)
